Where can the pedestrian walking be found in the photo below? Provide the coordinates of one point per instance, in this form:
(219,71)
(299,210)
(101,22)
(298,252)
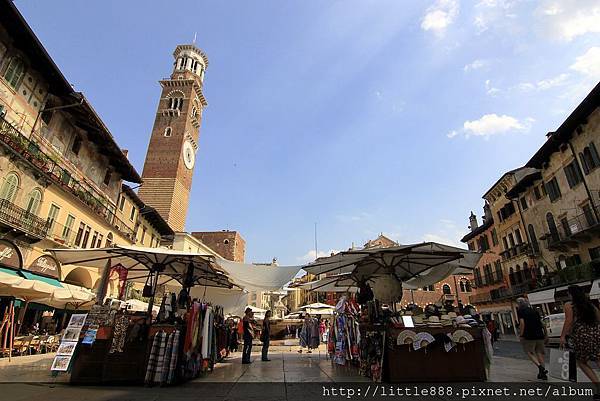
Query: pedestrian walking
(265,336)
(532,334)
(247,322)
(582,324)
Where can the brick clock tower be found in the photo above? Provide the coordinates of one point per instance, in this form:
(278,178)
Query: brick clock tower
(171,156)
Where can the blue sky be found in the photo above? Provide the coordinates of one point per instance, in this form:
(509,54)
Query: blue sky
(363,116)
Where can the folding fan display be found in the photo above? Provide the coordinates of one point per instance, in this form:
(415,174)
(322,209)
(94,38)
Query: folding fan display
(462,337)
(423,339)
(406,337)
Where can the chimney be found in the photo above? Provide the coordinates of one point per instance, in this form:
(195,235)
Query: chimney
(487,212)
(473,222)
(125,153)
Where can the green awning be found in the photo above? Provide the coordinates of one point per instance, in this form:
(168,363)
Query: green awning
(9,271)
(48,280)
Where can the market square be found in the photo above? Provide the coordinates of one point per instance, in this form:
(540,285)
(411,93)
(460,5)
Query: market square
(377,202)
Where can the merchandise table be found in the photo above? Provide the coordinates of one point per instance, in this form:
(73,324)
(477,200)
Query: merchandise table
(463,363)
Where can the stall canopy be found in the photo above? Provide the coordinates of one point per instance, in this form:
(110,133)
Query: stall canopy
(318,309)
(336,283)
(140,262)
(232,300)
(541,297)
(258,277)
(416,265)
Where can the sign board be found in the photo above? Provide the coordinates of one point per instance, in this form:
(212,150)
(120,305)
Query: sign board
(46,265)
(10,255)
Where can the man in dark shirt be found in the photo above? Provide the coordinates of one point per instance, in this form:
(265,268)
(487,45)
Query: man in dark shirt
(248,335)
(532,334)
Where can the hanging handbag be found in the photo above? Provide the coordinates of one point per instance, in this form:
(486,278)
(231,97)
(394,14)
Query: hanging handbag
(147,291)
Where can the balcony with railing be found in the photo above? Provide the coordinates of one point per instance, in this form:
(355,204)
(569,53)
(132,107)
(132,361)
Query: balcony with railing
(517,250)
(51,166)
(570,275)
(581,228)
(21,220)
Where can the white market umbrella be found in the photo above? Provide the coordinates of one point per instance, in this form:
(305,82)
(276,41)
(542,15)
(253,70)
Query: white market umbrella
(424,264)
(317,305)
(69,296)
(336,283)
(136,305)
(141,261)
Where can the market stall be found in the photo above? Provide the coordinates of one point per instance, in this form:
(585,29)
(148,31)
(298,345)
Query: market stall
(116,344)
(187,335)
(387,344)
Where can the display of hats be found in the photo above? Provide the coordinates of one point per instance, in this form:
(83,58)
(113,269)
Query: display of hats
(434,321)
(418,320)
(406,337)
(423,339)
(446,320)
(452,314)
(462,337)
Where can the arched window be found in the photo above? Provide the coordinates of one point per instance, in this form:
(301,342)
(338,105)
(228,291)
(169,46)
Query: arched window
(14,72)
(33,201)
(465,285)
(109,240)
(519,275)
(511,276)
(446,289)
(552,227)
(10,187)
(175,103)
(168,131)
(533,239)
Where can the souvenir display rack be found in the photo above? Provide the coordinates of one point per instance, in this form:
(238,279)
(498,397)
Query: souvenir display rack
(181,346)
(464,362)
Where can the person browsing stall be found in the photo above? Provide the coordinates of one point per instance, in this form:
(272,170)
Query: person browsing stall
(265,336)
(248,335)
(582,323)
(532,334)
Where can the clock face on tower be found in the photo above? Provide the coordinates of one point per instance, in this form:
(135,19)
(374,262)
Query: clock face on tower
(189,157)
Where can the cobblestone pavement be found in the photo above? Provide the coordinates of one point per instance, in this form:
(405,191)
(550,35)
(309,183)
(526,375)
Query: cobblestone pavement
(29,379)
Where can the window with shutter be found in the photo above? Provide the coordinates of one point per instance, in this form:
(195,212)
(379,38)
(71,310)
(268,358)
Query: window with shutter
(33,201)
(584,164)
(14,72)
(10,187)
(594,155)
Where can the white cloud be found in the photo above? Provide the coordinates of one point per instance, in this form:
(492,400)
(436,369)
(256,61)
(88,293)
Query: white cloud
(589,63)
(439,16)
(475,65)
(490,89)
(552,82)
(492,124)
(567,19)
(493,13)
(544,84)
(310,255)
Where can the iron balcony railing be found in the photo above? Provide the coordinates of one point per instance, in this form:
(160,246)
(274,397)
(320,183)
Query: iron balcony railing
(20,219)
(570,274)
(50,165)
(517,250)
(574,229)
